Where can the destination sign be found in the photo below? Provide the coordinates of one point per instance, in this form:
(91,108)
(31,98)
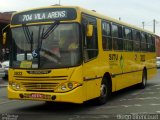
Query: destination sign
(44,15)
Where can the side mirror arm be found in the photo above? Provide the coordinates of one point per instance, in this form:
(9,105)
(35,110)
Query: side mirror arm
(4,34)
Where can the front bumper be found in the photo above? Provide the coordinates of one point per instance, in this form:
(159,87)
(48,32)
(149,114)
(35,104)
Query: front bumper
(74,96)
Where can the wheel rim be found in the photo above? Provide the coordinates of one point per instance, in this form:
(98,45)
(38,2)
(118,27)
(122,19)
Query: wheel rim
(103,91)
(144,80)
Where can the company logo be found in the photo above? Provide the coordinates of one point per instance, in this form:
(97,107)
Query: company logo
(39,72)
(34,53)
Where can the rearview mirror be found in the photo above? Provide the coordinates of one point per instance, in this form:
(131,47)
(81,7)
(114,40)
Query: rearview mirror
(5,34)
(89,30)
(4,38)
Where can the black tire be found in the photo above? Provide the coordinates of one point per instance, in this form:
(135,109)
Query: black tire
(105,93)
(5,77)
(143,84)
(49,102)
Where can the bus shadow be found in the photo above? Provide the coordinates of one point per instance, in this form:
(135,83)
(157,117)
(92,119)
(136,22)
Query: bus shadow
(127,92)
(57,108)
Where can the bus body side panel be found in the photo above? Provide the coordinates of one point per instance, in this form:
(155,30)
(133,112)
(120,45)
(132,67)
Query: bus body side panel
(146,60)
(150,65)
(128,66)
(92,79)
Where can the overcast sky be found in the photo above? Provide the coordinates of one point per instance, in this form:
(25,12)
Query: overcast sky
(130,11)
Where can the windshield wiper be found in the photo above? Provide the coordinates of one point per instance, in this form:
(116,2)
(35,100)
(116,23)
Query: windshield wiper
(45,34)
(28,35)
(50,29)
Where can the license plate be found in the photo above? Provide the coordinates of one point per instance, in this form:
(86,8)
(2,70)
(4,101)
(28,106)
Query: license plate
(35,95)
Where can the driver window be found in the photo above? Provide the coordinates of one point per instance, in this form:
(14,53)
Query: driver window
(90,43)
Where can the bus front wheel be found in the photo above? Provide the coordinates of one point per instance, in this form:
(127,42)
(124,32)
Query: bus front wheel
(105,92)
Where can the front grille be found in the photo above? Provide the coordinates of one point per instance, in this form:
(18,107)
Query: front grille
(40,83)
(35,78)
(41,90)
(40,87)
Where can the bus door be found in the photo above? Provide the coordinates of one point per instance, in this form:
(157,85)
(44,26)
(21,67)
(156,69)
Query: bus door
(90,53)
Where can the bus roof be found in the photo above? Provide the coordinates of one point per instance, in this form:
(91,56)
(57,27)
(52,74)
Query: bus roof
(92,13)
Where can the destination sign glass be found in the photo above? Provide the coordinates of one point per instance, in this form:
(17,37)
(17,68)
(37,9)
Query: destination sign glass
(44,15)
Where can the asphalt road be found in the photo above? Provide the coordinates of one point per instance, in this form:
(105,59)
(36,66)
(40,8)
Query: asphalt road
(124,105)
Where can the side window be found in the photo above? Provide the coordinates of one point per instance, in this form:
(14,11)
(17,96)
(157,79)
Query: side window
(149,43)
(143,42)
(106,36)
(128,42)
(136,40)
(153,44)
(117,37)
(90,44)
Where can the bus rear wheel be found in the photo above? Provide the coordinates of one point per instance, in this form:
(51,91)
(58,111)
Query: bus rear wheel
(143,84)
(105,92)
(5,77)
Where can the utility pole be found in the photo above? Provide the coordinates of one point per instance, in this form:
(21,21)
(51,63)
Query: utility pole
(154,25)
(143,24)
(59,2)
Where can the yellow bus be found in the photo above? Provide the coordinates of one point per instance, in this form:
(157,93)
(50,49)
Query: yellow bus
(70,54)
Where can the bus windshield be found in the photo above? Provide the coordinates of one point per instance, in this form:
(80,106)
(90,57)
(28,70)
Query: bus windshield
(50,48)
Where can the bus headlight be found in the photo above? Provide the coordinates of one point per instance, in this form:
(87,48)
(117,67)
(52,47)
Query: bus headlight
(70,85)
(16,86)
(64,87)
(13,85)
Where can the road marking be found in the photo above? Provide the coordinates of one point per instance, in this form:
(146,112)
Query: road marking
(127,106)
(89,116)
(3,99)
(139,113)
(123,99)
(154,104)
(7,102)
(156,85)
(4,85)
(146,98)
(148,89)
(138,105)
(107,107)
(146,93)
